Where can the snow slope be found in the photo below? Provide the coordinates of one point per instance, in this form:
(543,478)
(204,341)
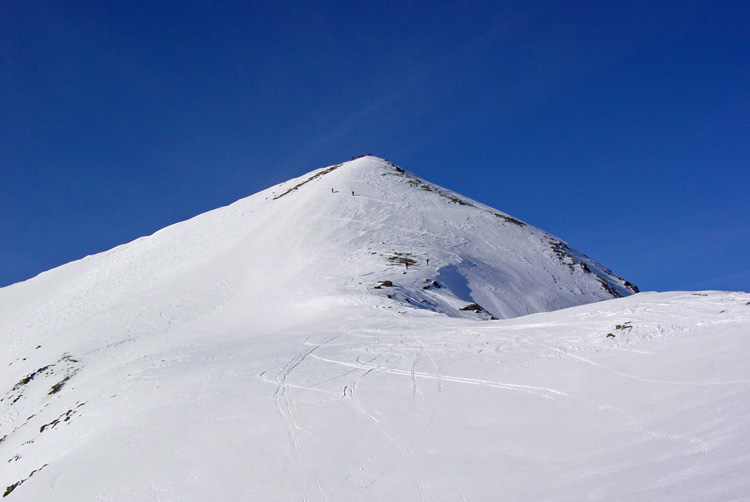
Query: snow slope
(310,236)
(253,353)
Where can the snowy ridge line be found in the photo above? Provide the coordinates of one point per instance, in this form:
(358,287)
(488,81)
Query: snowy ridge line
(313,177)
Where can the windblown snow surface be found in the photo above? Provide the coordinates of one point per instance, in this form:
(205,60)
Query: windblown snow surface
(298,345)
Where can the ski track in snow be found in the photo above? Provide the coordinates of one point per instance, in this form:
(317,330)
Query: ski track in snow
(411,450)
(286,407)
(544,392)
(650,380)
(425,490)
(389,356)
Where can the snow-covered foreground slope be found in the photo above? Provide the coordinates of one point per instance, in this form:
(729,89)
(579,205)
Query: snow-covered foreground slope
(367,403)
(328,339)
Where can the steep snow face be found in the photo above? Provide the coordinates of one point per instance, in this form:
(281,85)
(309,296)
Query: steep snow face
(428,247)
(365,230)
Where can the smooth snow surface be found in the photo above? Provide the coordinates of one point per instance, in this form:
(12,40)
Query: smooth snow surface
(257,352)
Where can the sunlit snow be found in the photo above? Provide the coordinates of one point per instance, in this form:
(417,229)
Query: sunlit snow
(331,338)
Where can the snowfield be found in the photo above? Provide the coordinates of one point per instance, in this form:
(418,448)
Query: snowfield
(298,345)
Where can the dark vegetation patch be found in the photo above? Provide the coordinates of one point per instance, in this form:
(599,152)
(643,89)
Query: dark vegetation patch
(65,417)
(59,385)
(478,309)
(608,288)
(456,200)
(431,284)
(562,251)
(9,489)
(25,380)
(15,485)
(321,173)
(406,259)
(383,284)
(632,287)
(418,183)
(394,166)
(627,326)
(510,219)
(65,368)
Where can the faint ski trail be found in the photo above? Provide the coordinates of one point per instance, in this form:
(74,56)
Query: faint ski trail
(638,427)
(286,407)
(634,351)
(425,491)
(434,365)
(414,385)
(649,380)
(312,387)
(403,440)
(426,418)
(635,423)
(154,491)
(545,392)
(456,482)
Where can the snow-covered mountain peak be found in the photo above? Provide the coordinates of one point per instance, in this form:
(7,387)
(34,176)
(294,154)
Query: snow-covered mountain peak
(309,342)
(428,247)
(365,230)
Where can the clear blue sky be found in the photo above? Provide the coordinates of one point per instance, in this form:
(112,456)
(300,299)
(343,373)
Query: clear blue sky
(621,127)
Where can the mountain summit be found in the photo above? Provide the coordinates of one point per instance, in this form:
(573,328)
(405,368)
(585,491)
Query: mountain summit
(363,229)
(428,247)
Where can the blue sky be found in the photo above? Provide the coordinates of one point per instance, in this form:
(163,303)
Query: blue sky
(621,127)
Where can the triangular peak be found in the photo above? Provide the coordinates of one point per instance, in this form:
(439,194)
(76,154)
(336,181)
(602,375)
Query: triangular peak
(370,159)
(366,155)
